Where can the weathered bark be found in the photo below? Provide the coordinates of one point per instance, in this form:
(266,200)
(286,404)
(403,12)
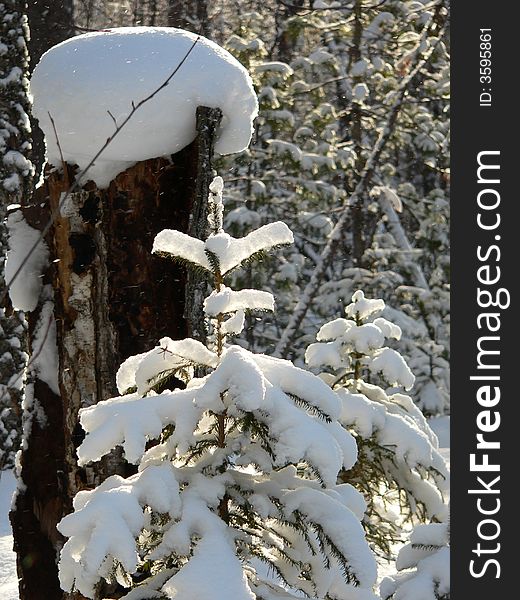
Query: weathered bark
(50,22)
(112,299)
(197,287)
(43,500)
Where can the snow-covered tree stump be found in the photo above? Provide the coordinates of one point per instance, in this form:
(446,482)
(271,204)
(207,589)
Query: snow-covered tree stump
(107,306)
(98,292)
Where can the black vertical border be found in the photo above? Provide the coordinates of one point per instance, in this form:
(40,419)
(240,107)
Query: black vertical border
(476,129)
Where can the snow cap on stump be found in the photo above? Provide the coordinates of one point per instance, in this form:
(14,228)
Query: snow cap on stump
(88,81)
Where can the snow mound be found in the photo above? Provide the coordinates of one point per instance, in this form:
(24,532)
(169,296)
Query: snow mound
(25,289)
(99,75)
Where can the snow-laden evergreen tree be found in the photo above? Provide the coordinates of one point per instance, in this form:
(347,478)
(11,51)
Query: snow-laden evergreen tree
(423,565)
(16,173)
(321,111)
(414,280)
(236,494)
(399,469)
(422,315)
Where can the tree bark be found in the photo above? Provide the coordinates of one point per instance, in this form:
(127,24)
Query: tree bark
(197,287)
(112,299)
(359,242)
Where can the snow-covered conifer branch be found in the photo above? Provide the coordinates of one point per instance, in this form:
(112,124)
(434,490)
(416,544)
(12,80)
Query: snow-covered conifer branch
(228,251)
(227,301)
(423,566)
(421,60)
(181,246)
(245,465)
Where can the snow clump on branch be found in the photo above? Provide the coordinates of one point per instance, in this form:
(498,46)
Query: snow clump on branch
(101,75)
(399,463)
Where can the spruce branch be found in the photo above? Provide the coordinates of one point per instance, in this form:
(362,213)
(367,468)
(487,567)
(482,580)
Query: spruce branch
(328,253)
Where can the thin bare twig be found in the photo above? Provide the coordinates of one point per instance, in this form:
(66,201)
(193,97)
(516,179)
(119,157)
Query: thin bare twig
(320,85)
(63,163)
(57,139)
(113,118)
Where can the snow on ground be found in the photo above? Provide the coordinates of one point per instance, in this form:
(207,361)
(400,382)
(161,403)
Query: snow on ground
(8,578)
(441,426)
(100,75)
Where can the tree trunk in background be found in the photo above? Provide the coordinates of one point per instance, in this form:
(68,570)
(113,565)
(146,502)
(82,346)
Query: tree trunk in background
(285,42)
(191,15)
(50,22)
(16,177)
(112,299)
(359,211)
(197,286)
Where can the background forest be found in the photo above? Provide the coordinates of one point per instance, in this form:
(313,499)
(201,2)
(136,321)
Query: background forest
(351,151)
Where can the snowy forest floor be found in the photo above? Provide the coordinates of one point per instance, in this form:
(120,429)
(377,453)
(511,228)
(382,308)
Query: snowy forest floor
(8,579)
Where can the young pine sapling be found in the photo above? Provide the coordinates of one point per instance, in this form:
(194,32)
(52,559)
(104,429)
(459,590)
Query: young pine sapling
(399,470)
(236,494)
